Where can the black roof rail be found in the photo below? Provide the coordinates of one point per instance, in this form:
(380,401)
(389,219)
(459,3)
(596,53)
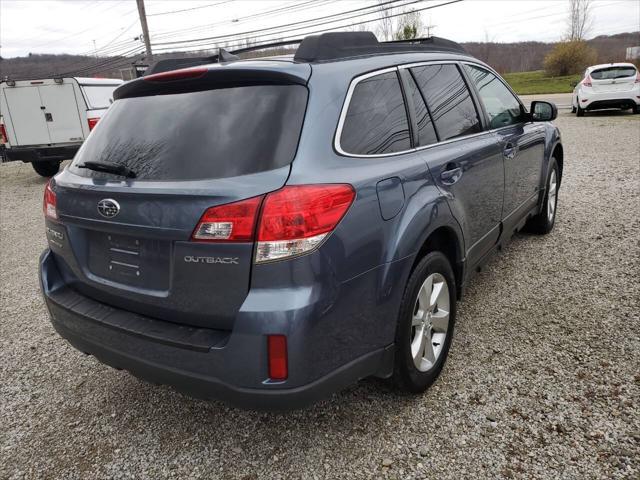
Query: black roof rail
(337,45)
(322,47)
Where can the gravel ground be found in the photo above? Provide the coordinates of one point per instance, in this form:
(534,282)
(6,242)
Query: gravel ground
(543,379)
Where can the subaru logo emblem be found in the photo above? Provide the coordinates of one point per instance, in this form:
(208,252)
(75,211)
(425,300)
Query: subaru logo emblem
(108,208)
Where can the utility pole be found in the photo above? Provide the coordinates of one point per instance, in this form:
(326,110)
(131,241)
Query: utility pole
(145,29)
(429,28)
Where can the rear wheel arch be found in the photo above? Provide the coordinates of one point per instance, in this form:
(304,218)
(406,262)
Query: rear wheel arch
(444,239)
(558,154)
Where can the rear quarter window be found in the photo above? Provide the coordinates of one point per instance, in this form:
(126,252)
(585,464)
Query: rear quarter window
(199,135)
(376,120)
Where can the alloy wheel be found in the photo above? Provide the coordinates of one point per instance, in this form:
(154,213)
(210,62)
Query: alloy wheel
(430,322)
(551,200)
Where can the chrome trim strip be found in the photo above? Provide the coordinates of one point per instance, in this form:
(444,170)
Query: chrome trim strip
(430,62)
(345,108)
(125,264)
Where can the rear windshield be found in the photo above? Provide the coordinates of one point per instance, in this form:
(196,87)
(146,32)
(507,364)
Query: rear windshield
(199,135)
(99,96)
(613,72)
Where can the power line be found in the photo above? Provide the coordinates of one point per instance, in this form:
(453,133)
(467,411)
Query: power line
(110,63)
(188,9)
(113,62)
(263,14)
(321,30)
(376,8)
(75,34)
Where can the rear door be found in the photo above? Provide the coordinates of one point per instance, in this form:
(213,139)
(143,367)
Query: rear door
(61,112)
(620,78)
(522,142)
(467,162)
(130,239)
(26,117)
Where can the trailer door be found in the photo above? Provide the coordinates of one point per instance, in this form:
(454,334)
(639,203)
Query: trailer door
(61,113)
(26,116)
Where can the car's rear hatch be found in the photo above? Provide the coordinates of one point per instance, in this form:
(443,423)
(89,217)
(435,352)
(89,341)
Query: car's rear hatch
(192,144)
(613,79)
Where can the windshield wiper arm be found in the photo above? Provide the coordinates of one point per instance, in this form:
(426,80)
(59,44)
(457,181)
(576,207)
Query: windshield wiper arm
(105,167)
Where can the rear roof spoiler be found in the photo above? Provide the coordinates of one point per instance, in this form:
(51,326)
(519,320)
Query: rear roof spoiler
(323,47)
(223,56)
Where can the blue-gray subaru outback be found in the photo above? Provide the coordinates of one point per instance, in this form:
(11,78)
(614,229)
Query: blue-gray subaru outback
(269,231)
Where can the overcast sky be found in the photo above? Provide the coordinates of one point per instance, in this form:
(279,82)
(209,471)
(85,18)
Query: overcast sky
(72,26)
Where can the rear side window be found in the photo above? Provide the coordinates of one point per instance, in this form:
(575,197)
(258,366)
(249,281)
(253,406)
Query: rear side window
(611,73)
(199,135)
(426,132)
(502,107)
(376,120)
(99,96)
(449,100)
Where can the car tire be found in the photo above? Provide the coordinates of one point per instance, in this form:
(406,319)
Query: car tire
(543,222)
(573,107)
(46,169)
(419,324)
(580,111)
(636,109)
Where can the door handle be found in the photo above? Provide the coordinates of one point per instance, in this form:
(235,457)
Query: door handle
(510,150)
(451,174)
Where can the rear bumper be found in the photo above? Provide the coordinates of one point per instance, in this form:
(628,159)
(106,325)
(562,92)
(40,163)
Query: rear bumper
(597,101)
(200,362)
(41,154)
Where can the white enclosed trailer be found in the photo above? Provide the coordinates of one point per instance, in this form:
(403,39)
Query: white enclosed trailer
(45,121)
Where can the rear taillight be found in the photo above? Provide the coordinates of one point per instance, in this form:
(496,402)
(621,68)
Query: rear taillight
(49,202)
(3,134)
(587,81)
(93,122)
(233,222)
(296,219)
(277,353)
(293,220)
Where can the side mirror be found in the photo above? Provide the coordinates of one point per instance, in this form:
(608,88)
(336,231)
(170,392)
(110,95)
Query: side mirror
(543,111)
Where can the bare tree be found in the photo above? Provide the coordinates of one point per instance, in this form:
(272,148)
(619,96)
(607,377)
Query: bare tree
(409,26)
(579,20)
(385,27)
(363,27)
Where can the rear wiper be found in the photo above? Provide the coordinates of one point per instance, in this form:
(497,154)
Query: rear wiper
(115,168)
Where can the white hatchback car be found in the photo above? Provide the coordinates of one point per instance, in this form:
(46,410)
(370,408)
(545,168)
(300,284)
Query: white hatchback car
(611,85)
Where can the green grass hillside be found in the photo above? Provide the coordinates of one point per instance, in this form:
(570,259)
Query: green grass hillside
(531,83)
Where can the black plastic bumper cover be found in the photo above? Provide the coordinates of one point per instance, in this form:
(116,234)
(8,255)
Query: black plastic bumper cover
(112,335)
(41,154)
(623,103)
